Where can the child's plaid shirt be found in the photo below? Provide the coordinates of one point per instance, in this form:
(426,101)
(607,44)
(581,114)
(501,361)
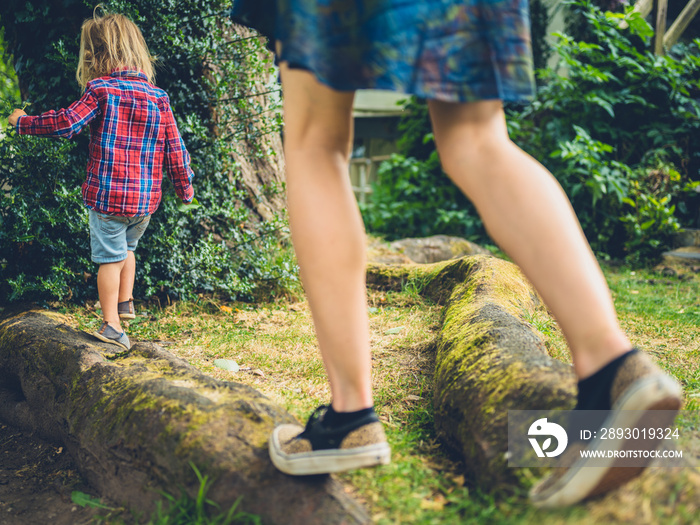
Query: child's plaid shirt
(132,135)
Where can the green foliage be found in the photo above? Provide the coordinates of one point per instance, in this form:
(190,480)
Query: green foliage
(200,510)
(650,219)
(610,122)
(407,202)
(85,500)
(43,223)
(182,510)
(539,20)
(595,184)
(224,99)
(9,88)
(412,196)
(575,23)
(602,122)
(41,35)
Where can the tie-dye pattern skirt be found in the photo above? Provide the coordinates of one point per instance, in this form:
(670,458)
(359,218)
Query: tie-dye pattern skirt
(451,50)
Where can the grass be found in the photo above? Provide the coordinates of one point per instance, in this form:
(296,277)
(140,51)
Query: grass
(182,510)
(662,315)
(275,346)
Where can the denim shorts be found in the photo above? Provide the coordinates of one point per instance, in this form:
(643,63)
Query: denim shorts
(112,236)
(451,50)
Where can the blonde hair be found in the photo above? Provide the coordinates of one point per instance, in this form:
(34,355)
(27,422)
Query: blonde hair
(110,42)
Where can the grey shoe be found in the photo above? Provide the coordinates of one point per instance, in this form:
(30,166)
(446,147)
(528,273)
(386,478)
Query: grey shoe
(642,395)
(126,310)
(109,335)
(317,449)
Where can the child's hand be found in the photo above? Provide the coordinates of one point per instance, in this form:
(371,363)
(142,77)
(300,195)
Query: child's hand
(12,119)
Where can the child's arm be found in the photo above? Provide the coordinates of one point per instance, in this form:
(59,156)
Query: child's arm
(177,159)
(62,123)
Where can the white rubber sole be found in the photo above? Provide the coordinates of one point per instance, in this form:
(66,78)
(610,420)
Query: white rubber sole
(328,461)
(107,340)
(647,395)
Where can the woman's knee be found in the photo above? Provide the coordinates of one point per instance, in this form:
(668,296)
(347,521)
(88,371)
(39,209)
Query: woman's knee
(468,135)
(470,159)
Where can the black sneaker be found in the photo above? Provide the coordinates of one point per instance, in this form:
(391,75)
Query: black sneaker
(317,449)
(643,396)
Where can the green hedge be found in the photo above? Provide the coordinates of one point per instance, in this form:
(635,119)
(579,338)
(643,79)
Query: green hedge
(211,76)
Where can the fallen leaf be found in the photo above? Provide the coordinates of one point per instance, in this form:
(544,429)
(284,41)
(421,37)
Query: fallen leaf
(393,330)
(227,364)
(225,308)
(437,503)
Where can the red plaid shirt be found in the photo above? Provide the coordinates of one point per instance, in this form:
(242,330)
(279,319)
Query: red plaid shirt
(132,135)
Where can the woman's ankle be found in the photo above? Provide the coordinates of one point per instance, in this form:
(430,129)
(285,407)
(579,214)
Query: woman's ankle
(598,352)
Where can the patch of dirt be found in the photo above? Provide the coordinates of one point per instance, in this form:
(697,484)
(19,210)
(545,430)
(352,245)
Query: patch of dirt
(36,482)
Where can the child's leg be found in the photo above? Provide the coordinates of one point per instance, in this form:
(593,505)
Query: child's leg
(108,285)
(134,231)
(529,216)
(108,242)
(126,278)
(327,231)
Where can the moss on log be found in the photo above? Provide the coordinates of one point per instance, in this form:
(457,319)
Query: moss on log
(489,359)
(135,422)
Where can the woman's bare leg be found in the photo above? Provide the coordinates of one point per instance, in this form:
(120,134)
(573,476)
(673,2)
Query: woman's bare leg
(327,231)
(527,213)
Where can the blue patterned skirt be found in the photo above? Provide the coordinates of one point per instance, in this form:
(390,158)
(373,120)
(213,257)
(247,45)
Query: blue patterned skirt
(451,50)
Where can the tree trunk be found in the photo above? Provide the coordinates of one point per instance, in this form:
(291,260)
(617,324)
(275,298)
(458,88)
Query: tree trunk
(257,143)
(489,359)
(135,423)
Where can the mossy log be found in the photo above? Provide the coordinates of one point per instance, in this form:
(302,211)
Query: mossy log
(136,422)
(489,359)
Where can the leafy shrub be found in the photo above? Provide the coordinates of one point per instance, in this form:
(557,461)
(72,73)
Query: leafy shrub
(407,202)
(610,121)
(8,79)
(213,78)
(600,123)
(539,20)
(650,215)
(43,223)
(412,197)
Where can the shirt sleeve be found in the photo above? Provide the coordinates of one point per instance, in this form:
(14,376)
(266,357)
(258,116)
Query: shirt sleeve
(62,123)
(177,159)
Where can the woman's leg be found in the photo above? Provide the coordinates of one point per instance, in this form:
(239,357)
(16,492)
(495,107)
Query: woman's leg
(327,231)
(527,213)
